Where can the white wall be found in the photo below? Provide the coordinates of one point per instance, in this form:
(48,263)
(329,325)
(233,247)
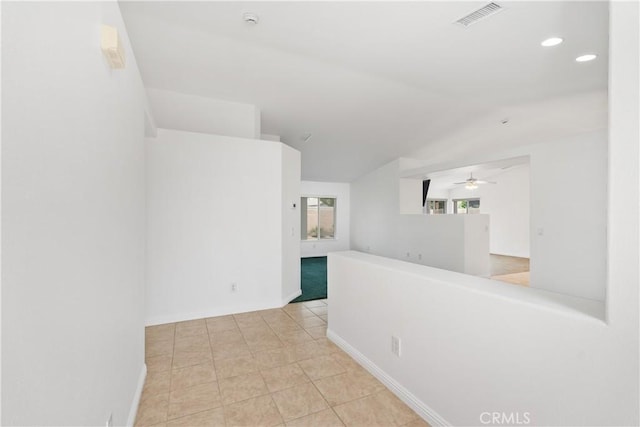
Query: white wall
(180,111)
(216,216)
(290,170)
(553,358)
(1,275)
(73,218)
(374,210)
(341,191)
(570,255)
(567,242)
(410,196)
(379,226)
(476,245)
(460,357)
(507,204)
(413,231)
(452,242)
(270,137)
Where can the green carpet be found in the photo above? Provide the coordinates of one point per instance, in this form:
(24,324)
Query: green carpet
(313,279)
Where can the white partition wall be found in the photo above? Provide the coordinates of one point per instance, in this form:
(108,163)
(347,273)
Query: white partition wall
(381,225)
(290,203)
(567,243)
(452,242)
(222,235)
(471,347)
(508,205)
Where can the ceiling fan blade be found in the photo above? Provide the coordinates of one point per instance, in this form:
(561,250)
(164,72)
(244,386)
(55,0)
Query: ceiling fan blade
(458,183)
(485,182)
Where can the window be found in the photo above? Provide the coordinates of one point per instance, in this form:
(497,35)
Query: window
(438,206)
(466,206)
(318,218)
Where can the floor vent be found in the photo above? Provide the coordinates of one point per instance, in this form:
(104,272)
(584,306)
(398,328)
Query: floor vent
(480,14)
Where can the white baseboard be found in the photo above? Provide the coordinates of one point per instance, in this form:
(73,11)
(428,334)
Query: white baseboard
(428,414)
(136,397)
(218,311)
(291,297)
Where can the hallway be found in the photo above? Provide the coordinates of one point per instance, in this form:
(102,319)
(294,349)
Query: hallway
(270,367)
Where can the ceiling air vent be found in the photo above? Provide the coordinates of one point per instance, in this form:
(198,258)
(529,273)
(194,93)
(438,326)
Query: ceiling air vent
(480,14)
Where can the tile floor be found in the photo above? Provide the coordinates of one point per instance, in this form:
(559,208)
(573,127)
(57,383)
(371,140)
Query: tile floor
(264,368)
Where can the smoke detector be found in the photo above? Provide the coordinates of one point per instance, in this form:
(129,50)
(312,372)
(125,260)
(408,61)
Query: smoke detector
(250,18)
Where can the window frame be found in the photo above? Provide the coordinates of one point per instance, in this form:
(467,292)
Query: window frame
(446,203)
(468,199)
(335,218)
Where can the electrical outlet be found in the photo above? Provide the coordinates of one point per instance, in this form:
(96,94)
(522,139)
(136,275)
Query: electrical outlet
(420,257)
(408,254)
(395,345)
(234,287)
(110,421)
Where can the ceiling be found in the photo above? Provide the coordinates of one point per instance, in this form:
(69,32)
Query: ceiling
(371,81)
(445,180)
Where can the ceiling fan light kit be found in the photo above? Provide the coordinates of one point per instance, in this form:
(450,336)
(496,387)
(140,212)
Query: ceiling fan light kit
(472,183)
(250,18)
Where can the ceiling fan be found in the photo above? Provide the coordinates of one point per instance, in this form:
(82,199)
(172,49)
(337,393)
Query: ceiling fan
(472,183)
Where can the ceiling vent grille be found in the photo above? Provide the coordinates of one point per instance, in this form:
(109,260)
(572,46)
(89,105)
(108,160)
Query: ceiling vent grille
(480,14)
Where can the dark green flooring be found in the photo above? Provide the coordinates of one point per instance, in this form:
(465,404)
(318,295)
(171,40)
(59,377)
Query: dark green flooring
(313,279)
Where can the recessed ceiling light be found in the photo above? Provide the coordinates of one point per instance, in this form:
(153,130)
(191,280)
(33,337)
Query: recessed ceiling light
(250,18)
(552,41)
(586,58)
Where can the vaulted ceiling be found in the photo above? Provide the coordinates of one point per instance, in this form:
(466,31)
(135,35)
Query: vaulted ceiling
(370,81)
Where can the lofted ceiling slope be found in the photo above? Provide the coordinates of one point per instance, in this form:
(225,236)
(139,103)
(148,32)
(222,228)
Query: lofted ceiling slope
(371,81)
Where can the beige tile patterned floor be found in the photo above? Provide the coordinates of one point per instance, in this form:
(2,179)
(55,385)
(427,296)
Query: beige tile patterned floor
(266,368)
